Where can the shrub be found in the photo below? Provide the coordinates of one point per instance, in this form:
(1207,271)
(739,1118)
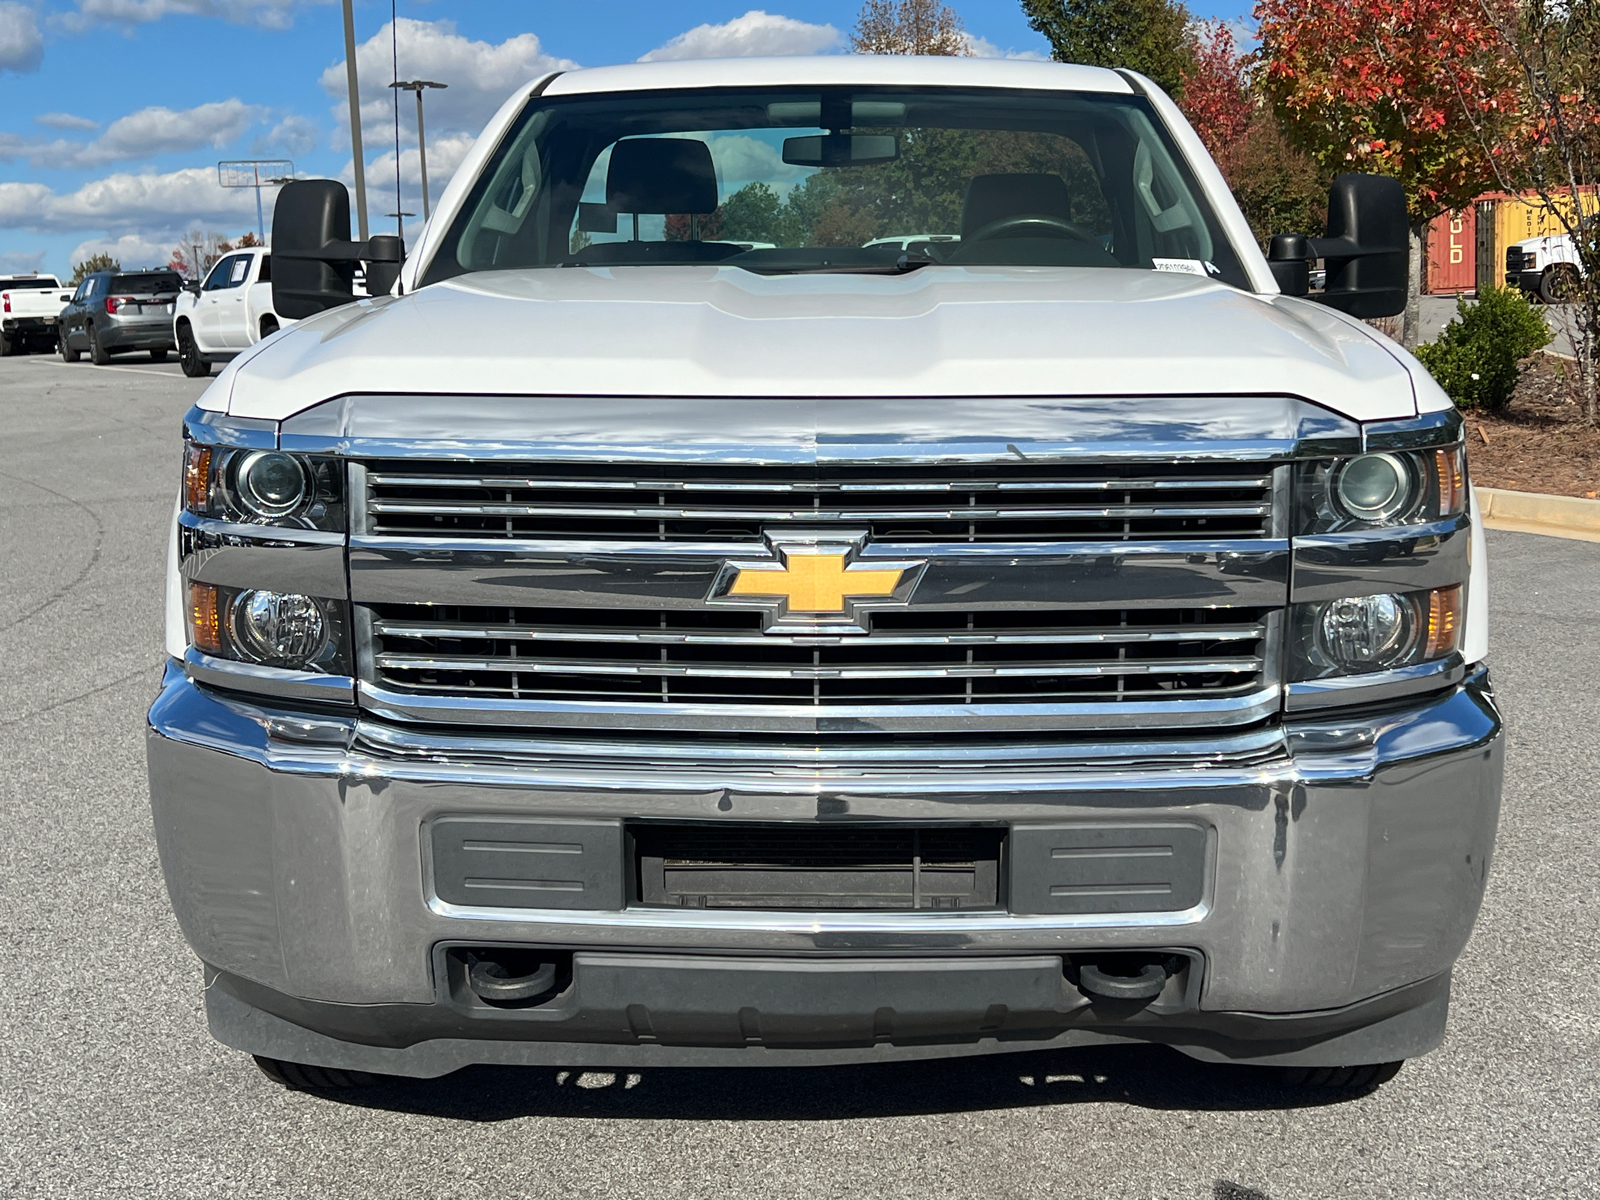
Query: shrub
(1475,359)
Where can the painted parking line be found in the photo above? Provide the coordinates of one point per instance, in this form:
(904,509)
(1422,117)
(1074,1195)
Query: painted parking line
(150,370)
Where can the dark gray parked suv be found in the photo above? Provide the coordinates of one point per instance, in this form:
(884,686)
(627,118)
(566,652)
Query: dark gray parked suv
(115,311)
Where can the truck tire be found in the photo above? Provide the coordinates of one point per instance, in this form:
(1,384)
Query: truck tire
(1339,1079)
(97,352)
(68,354)
(194,364)
(158,356)
(302,1077)
(7,347)
(1559,283)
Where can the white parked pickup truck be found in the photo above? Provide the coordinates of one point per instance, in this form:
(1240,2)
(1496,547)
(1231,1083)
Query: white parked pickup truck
(30,308)
(230,311)
(1547,267)
(608,646)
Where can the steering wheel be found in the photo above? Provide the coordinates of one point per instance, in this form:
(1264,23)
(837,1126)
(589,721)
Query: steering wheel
(1028,225)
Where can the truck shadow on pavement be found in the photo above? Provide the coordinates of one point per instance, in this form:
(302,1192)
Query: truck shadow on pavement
(1146,1076)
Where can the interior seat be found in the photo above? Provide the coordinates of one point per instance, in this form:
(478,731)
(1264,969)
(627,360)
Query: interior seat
(659,176)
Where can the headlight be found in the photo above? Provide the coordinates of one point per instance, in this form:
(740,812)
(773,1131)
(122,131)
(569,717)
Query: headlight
(264,487)
(1375,487)
(1354,635)
(1365,632)
(273,629)
(1379,489)
(277,628)
(270,484)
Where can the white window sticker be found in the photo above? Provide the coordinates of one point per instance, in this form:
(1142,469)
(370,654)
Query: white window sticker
(1180,266)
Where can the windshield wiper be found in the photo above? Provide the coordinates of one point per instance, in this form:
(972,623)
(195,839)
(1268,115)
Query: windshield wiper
(901,266)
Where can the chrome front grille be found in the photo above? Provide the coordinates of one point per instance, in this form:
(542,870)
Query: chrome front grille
(721,657)
(1009,503)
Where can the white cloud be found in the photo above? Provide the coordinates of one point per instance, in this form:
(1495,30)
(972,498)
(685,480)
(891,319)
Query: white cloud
(65,121)
(21,46)
(21,262)
(130,250)
(149,205)
(294,135)
(269,14)
(755,34)
(480,76)
(979,47)
(143,134)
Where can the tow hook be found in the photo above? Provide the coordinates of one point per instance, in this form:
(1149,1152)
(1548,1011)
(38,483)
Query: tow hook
(1111,979)
(491,981)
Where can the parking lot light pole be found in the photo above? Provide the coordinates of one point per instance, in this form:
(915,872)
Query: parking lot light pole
(355,119)
(417,85)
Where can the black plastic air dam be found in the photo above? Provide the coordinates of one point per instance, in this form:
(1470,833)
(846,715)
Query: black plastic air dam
(426,1041)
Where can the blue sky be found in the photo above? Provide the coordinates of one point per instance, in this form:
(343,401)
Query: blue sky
(114,113)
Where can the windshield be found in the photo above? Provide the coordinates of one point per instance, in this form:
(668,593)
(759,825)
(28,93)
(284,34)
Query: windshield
(146,285)
(860,179)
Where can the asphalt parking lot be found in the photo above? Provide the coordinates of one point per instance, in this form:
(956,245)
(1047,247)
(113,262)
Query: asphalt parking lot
(111,1086)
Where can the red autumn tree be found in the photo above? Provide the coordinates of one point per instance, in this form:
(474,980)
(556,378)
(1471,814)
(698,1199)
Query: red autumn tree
(1378,85)
(1216,90)
(1278,187)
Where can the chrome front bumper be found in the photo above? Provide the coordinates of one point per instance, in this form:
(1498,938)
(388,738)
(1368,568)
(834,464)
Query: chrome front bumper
(1347,860)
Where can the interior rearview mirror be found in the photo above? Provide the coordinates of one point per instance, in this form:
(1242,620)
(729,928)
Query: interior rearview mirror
(1366,251)
(314,260)
(841,150)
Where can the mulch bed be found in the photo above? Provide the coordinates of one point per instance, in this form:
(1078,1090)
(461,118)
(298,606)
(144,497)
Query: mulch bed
(1539,442)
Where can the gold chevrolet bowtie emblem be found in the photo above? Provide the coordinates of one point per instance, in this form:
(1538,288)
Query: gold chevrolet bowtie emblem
(817,583)
(813,584)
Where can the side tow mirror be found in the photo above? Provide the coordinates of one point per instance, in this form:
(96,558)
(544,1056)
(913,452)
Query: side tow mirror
(314,260)
(1367,249)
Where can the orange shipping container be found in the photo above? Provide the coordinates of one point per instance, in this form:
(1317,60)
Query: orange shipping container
(1452,263)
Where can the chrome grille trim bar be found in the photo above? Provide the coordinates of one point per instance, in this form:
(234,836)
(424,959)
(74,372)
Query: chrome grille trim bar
(812,516)
(1231,711)
(822,486)
(591,666)
(651,637)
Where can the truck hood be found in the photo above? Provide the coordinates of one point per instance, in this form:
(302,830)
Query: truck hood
(723,331)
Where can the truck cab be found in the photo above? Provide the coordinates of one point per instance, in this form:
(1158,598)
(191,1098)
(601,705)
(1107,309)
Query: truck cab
(30,312)
(1546,266)
(228,311)
(660,626)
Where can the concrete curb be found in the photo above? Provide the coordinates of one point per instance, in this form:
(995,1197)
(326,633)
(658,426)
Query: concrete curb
(1535,512)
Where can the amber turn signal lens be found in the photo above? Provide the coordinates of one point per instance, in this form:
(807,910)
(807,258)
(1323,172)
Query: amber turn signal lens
(205,620)
(197,478)
(1452,481)
(1444,622)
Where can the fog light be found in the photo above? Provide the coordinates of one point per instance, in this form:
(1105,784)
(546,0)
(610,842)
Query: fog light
(271,484)
(1364,633)
(1375,487)
(279,628)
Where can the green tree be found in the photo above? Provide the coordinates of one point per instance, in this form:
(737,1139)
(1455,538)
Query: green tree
(95,262)
(751,214)
(1149,36)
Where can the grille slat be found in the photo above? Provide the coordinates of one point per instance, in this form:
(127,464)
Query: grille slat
(1178,501)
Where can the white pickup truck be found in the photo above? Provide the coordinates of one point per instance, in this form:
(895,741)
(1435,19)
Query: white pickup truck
(1547,267)
(30,307)
(611,647)
(230,311)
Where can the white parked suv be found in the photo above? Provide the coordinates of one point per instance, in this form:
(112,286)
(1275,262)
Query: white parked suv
(612,647)
(230,311)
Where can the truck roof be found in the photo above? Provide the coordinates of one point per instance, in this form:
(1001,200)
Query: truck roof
(840,70)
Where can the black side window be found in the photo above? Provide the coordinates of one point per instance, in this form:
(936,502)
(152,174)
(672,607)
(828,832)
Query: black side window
(266,269)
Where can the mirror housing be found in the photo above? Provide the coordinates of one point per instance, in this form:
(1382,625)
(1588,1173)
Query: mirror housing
(314,260)
(1367,250)
(841,149)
